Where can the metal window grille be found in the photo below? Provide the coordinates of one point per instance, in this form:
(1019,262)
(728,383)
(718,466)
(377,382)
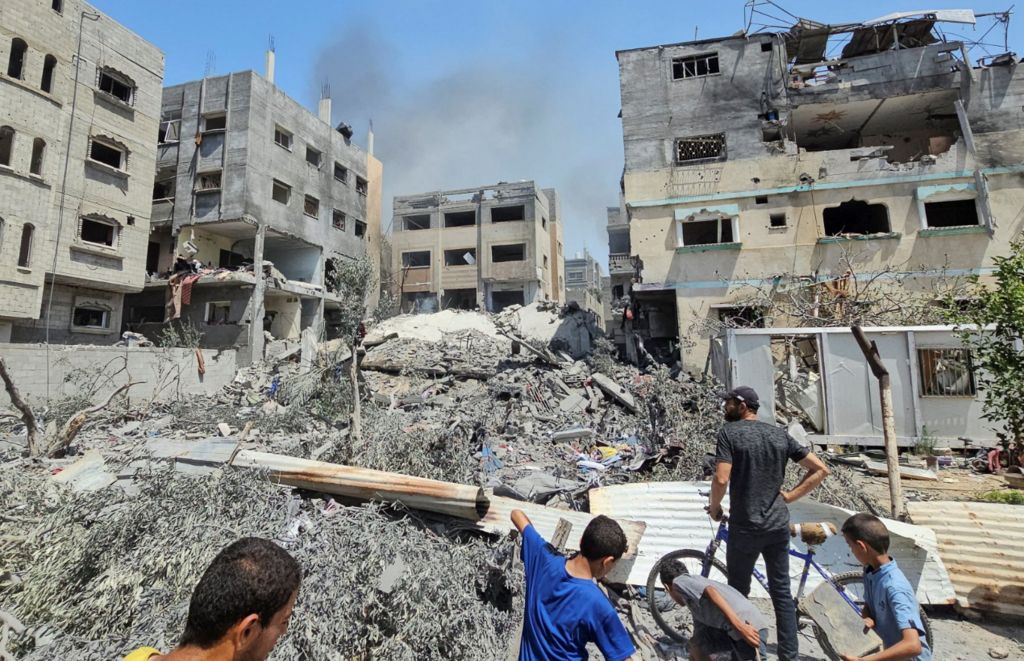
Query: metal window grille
(946,373)
(695,66)
(700,147)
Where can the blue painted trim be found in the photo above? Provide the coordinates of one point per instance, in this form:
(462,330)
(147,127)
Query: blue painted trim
(924,192)
(756,282)
(709,246)
(839,185)
(725,209)
(859,237)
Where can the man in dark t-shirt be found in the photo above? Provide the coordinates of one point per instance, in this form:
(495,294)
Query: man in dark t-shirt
(750,459)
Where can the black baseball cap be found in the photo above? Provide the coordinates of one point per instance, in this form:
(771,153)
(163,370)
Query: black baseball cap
(745,394)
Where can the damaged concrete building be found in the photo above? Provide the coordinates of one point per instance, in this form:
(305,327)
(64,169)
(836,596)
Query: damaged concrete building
(485,247)
(79,106)
(767,158)
(583,284)
(263,198)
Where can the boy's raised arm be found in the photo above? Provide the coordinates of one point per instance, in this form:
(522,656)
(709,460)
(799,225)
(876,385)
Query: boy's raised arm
(520,520)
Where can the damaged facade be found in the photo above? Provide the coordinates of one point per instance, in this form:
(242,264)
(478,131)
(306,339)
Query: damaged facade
(267,197)
(76,169)
(754,161)
(485,247)
(583,284)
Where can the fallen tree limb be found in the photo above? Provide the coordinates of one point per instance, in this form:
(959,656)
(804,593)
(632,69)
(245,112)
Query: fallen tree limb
(60,442)
(27,416)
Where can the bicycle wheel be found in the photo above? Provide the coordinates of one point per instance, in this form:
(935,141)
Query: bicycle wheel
(673,619)
(853,584)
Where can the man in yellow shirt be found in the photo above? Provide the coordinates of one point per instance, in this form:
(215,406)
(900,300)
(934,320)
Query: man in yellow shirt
(239,609)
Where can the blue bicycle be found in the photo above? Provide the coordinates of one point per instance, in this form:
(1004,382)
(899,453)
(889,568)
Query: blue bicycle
(850,585)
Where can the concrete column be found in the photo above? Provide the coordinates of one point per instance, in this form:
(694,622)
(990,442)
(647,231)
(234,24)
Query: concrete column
(257,309)
(318,323)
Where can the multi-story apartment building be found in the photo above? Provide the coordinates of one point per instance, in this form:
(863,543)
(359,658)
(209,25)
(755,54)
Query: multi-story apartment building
(583,284)
(79,108)
(266,196)
(485,247)
(757,160)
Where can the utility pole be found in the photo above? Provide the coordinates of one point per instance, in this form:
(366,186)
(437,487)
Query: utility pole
(892,453)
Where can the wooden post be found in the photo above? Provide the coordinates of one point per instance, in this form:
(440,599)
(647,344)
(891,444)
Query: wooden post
(892,453)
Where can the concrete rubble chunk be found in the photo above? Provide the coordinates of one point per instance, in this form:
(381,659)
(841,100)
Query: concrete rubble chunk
(87,474)
(614,390)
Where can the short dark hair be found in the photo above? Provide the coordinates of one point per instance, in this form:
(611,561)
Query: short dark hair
(867,528)
(252,575)
(602,538)
(671,570)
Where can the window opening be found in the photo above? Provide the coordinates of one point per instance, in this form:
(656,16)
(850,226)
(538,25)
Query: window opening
(460,219)
(6,145)
(116,87)
(700,148)
(707,232)
(503,299)
(218,313)
(418,259)
(761,199)
(38,153)
(954,213)
(228,259)
(856,217)
(49,65)
(360,228)
(209,181)
(460,257)
(946,373)
(313,157)
(777,219)
(98,232)
(340,173)
(16,61)
(170,126)
(163,185)
(766,46)
(742,317)
(515,252)
(311,206)
(282,192)
(283,138)
(58,6)
(416,222)
(695,66)
(215,122)
(362,187)
(338,220)
(508,214)
(110,155)
(25,251)
(86,316)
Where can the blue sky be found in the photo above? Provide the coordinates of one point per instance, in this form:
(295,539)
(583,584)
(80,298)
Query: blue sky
(465,93)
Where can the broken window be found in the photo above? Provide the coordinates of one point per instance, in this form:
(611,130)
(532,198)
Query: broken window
(459,218)
(38,154)
(146,314)
(87,316)
(116,85)
(99,232)
(459,299)
(776,220)
(700,148)
(338,220)
(707,231)
(281,192)
(58,6)
(946,373)
(508,214)
(49,65)
(163,185)
(515,252)
(761,199)
(228,259)
(311,206)
(340,173)
(283,137)
(209,181)
(16,61)
(360,228)
(170,126)
(953,213)
(215,121)
(362,187)
(695,66)
(460,257)
(313,157)
(218,313)
(742,317)
(856,217)
(6,145)
(108,153)
(503,299)
(418,259)
(25,250)
(421,222)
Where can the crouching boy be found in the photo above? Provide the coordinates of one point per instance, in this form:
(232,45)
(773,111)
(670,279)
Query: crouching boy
(723,619)
(890,607)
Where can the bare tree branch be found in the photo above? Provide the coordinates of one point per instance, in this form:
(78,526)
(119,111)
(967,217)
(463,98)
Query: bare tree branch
(63,439)
(27,416)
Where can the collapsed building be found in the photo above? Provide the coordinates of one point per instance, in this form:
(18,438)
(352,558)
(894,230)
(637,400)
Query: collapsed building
(485,247)
(768,159)
(584,285)
(256,200)
(77,118)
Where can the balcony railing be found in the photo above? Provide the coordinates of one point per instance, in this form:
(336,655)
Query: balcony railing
(620,263)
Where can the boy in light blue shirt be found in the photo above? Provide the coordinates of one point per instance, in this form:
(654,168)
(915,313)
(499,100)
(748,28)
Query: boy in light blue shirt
(890,607)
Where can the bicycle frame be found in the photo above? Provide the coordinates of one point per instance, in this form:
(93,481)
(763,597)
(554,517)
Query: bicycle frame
(808,559)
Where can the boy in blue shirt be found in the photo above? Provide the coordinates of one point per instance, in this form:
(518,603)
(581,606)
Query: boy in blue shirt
(890,607)
(565,609)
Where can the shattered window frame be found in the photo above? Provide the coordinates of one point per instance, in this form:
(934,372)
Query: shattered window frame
(696,66)
(210,181)
(726,232)
(701,149)
(411,256)
(116,85)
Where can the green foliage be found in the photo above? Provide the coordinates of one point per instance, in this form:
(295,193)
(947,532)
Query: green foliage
(991,323)
(352,280)
(1006,497)
(179,334)
(925,445)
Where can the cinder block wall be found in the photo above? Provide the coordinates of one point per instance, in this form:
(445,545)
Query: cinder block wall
(172,372)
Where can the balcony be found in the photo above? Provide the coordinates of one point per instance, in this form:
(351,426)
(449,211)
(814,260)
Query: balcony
(620,264)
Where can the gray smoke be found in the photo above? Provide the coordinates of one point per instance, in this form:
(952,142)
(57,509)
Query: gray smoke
(529,113)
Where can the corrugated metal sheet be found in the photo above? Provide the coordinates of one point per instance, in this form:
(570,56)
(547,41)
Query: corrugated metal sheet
(982,545)
(675,518)
(544,519)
